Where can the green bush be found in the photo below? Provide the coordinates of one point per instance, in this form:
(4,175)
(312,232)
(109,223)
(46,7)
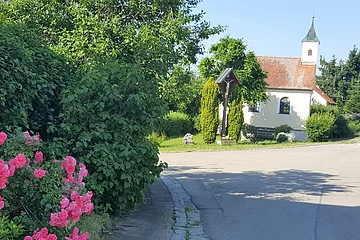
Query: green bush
(209,111)
(9,230)
(282,128)
(107,116)
(319,126)
(156,138)
(197,123)
(32,77)
(319,108)
(177,124)
(235,119)
(354,127)
(341,128)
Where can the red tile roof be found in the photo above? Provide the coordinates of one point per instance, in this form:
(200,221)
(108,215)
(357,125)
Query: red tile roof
(288,73)
(324,95)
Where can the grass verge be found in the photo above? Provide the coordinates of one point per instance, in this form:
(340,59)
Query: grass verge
(176,145)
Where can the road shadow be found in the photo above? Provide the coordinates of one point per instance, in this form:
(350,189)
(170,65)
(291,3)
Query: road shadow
(277,205)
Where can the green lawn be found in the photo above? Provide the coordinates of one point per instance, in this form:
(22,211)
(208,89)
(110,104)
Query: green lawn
(176,145)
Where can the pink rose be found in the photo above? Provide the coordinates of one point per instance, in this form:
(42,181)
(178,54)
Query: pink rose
(20,161)
(3,138)
(39,157)
(39,173)
(2,203)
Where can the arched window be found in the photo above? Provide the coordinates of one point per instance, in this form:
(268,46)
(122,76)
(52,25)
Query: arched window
(284,106)
(309,52)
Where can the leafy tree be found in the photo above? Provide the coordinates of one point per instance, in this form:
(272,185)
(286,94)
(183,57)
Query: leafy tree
(338,77)
(231,53)
(108,113)
(182,91)
(155,33)
(209,111)
(352,105)
(32,77)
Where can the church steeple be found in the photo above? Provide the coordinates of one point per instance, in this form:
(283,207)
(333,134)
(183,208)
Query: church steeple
(310,46)
(311,35)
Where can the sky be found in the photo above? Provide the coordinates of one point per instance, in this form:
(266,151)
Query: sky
(276,27)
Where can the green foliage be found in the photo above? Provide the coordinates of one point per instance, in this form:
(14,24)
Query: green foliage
(158,34)
(282,128)
(352,105)
(319,127)
(31,77)
(339,78)
(354,126)
(282,137)
(341,128)
(156,138)
(209,111)
(231,53)
(235,119)
(95,224)
(177,124)
(107,116)
(197,122)
(9,230)
(319,108)
(182,91)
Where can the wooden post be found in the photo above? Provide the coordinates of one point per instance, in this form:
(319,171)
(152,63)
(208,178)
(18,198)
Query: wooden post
(224,118)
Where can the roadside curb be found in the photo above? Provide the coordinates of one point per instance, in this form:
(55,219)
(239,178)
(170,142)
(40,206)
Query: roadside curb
(186,216)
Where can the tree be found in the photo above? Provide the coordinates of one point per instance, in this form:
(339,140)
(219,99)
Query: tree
(352,105)
(123,49)
(209,111)
(231,53)
(182,91)
(235,119)
(154,33)
(337,77)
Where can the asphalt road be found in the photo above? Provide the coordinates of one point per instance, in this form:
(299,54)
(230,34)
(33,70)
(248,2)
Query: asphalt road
(303,193)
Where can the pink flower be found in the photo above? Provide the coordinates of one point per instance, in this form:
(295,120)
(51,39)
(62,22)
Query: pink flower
(42,235)
(2,203)
(4,174)
(32,141)
(74,195)
(74,235)
(39,157)
(69,164)
(26,134)
(20,161)
(64,202)
(39,173)
(59,219)
(3,138)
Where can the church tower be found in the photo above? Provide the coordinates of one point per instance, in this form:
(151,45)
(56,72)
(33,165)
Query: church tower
(310,46)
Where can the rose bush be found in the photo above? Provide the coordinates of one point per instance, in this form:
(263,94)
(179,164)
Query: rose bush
(37,192)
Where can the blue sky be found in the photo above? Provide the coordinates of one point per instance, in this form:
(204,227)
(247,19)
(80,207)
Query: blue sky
(276,27)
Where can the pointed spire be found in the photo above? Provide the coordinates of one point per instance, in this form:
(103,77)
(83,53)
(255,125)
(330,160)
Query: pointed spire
(311,35)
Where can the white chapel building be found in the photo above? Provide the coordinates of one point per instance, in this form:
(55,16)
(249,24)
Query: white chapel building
(291,89)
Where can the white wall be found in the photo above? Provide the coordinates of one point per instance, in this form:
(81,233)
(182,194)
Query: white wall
(314,46)
(317,98)
(269,116)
